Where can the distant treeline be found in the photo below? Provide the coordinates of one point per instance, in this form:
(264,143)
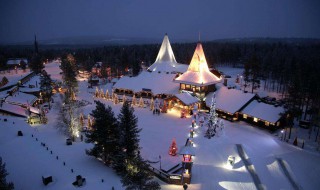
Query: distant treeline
(289,67)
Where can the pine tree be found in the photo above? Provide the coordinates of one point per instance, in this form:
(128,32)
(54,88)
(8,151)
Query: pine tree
(104,134)
(46,87)
(138,176)
(4,185)
(129,143)
(133,169)
(213,119)
(128,124)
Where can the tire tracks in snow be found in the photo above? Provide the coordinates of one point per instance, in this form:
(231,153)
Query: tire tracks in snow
(250,167)
(286,172)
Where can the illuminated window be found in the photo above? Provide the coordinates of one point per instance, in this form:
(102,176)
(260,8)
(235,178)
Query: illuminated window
(255,119)
(188,87)
(183,86)
(267,123)
(245,116)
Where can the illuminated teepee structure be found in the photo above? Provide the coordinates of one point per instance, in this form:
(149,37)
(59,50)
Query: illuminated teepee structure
(166,62)
(198,77)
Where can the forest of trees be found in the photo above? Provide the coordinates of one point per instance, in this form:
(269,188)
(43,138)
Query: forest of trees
(286,66)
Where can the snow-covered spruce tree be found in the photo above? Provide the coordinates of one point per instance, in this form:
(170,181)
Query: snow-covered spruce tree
(129,141)
(104,134)
(46,87)
(128,125)
(213,119)
(4,185)
(133,169)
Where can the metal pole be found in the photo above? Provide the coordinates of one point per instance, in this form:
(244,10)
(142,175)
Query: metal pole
(160,161)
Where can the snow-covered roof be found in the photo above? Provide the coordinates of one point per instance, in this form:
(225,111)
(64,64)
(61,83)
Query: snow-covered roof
(16,61)
(166,62)
(187,98)
(15,109)
(21,98)
(229,100)
(198,72)
(187,150)
(263,111)
(14,77)
(34,110)
(35,81)
(158,83)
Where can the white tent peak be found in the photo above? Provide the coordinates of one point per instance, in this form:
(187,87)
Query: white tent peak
(166,54)
(166,62)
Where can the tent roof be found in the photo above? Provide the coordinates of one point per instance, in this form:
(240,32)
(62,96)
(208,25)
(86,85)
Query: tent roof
(198,72)
(166,62)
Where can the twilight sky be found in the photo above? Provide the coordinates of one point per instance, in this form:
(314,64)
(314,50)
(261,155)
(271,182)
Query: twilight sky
(181,19)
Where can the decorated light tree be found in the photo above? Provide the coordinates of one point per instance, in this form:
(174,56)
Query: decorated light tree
(134,100)
(141,103)
(213,119)
(116,99)
(89,122)
(96,94)
(101,93)
(173,148)
(170,105)
(152,104)
(112,95)
(73,95)
(164,107)
(107,94)
(81,120)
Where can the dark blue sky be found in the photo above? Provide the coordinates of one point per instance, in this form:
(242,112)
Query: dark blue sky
(181,19)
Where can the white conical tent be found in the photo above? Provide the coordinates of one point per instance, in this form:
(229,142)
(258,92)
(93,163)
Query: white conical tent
(198,72)
(166,54)
(166,62)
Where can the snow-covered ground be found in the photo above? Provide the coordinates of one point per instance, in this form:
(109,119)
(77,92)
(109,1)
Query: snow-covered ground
(26,160)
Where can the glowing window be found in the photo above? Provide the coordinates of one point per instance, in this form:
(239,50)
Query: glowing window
(267,123)
(255,119)
(183,86)
(245,116)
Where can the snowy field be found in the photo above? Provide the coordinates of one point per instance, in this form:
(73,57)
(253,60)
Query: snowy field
(27,160)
